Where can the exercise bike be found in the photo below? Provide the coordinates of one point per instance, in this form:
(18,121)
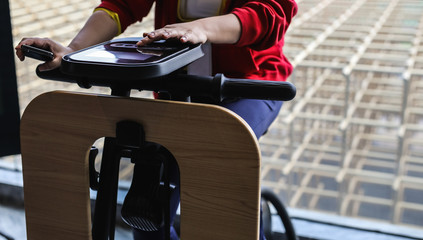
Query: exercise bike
(121,66)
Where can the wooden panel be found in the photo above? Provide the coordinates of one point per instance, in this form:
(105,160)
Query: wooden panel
(217,153)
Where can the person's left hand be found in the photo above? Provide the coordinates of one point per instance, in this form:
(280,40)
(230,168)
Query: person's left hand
(48,44)
(192,32)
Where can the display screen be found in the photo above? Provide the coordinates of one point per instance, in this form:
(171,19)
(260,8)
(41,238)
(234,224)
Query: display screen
(9,106)
(126,52)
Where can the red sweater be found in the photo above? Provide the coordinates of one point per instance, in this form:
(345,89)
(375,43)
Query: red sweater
(258,53)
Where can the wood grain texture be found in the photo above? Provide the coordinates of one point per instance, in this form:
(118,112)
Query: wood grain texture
(217,153)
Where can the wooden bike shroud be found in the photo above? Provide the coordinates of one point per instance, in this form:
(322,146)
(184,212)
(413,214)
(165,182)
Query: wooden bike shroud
(217,154)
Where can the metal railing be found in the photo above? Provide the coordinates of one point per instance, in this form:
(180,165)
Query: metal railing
(351,141)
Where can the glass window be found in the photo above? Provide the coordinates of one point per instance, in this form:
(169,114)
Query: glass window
(350,144)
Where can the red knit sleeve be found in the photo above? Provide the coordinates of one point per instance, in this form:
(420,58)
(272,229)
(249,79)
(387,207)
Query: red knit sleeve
(129,11)
(264,23)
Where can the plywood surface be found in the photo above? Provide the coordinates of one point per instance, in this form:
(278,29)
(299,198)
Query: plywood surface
(217,154)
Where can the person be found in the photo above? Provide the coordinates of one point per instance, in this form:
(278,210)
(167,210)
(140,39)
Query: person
(247,39)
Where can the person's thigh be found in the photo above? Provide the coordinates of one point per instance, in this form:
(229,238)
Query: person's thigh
(259,114)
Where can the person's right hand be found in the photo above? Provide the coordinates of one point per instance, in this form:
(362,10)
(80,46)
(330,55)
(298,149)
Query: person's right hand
(45,43)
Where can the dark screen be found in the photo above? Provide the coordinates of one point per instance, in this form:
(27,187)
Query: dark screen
(9,106)
(126,52)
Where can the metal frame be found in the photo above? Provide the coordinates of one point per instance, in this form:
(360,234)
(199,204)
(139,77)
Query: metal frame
(355,127)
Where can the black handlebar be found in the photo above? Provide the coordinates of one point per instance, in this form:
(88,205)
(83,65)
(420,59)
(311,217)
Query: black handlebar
(257,89)
(218,87)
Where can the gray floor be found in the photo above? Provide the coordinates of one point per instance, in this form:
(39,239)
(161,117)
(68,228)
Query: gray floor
(308,224)
(12,224)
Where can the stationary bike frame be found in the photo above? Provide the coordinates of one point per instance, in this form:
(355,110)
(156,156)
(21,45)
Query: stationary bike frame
(180,87)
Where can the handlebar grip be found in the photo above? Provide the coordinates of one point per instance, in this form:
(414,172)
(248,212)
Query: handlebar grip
(54,74)
(57,75)
(257,89)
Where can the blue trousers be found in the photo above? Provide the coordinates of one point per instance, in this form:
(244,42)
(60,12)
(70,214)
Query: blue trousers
(259,114)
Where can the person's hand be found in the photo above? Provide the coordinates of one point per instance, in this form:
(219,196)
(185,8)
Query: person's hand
(58,50)
(192,32)
(223,29)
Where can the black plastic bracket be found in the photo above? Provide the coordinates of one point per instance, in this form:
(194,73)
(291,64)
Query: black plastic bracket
(151,167)
(130,135)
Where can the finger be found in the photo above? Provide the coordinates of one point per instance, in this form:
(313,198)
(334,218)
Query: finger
(144,41)
(20,54)
(18,49)
(43,43)
(55,63)
(190,37)
(25,41)
(167,33)
(159,34)
(29,41)
(151,35)
(163,33)
(20,43)
(184,39)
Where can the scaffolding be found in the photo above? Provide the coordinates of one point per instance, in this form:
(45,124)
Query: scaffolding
(353,137)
